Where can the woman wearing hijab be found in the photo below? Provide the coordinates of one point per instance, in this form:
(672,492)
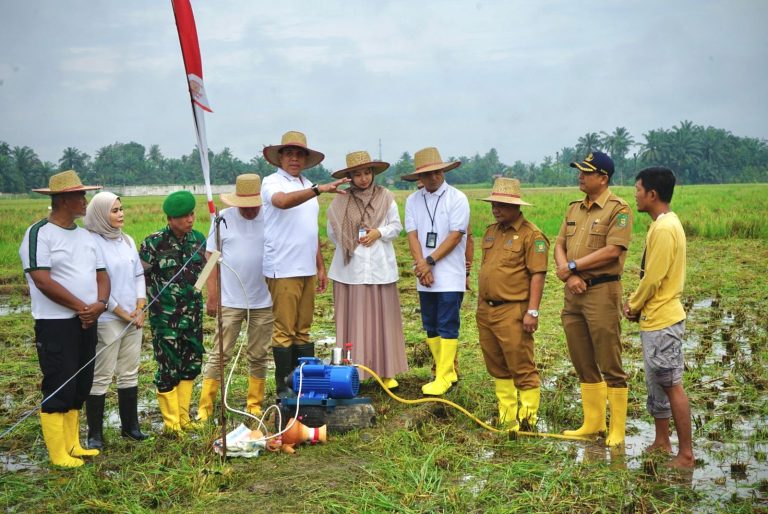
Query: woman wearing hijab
(120,328)
(362,224)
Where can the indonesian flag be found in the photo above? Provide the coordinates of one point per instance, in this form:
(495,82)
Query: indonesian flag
(190,49)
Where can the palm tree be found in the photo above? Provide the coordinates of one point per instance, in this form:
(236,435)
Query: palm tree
(588,143)
(617,145)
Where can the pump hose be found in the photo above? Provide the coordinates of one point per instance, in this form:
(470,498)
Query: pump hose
(469,414)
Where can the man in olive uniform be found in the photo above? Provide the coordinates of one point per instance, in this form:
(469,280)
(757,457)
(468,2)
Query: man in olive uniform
(510,285)
(176,317)
(589,253)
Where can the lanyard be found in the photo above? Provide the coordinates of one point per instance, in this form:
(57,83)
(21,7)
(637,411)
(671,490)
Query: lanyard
(434,212)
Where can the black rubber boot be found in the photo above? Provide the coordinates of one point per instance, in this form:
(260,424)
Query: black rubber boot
(283,367)
(94,412)
(129,417)
(303,350)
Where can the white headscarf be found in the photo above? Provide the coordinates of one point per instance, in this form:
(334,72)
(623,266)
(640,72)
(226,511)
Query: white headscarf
(97,215)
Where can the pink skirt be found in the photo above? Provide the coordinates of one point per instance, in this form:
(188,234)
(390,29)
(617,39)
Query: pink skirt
(368,316)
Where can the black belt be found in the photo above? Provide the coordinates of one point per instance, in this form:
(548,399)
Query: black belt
(602,280)
(496,303)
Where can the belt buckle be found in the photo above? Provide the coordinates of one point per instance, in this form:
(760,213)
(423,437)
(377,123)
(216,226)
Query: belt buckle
(493,303)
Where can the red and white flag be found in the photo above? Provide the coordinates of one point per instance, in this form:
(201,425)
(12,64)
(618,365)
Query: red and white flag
(190,49)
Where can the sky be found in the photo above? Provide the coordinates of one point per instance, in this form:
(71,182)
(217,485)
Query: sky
(526,78)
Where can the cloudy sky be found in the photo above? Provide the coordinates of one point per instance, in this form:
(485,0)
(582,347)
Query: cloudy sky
(524,77)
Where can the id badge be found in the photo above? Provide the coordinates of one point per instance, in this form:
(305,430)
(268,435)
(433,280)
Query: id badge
(431,240)
(361,233)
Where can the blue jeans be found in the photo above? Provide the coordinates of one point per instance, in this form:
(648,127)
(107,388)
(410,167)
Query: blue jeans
(440,313)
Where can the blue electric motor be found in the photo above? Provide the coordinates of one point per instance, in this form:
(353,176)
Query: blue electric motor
(324,381)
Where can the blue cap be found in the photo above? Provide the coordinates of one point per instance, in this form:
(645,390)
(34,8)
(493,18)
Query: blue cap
(595,162)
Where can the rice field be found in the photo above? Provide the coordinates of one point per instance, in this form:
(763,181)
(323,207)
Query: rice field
(429,458)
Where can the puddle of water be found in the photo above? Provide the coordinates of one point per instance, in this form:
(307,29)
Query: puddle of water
(15,463)
(7,310)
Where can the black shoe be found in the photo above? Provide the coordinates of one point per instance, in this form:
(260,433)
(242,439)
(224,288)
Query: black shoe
(129,417)
(94,413)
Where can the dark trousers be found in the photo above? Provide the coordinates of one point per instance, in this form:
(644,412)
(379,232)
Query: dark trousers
(63,347)
(440,313)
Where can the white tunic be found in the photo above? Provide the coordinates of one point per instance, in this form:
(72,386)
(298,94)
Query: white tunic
(449,208)
(126,275)
(375,264)
(242,241)
(71,256)
(290,235)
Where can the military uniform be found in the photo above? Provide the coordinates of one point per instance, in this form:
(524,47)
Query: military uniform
(176,317)
(592,320)
(510,257)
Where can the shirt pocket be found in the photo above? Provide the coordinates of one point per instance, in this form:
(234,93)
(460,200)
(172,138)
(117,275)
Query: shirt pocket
(597,236)
(513,251)
(570,230)
(487,245)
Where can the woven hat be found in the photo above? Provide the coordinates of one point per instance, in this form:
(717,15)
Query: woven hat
(360,160)
(595,162)
(247,192)
(428,159)
(297,139)
(506,190)
(65,182)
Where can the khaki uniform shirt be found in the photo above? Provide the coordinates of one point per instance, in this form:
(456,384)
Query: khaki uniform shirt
(510,257)
(587,228)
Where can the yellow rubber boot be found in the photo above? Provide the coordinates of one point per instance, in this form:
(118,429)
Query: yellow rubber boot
(169,408)
(391,383)
(529,406)
(617,400)
(184,392)
(593,397)
(207,397)
(433,343)
(255,395)
(72,436)
(506,392)
(443,370)
(54,435)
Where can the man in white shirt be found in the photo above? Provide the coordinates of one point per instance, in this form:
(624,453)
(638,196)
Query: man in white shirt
(244,294)
(69,288)
(436,220)
(293,265)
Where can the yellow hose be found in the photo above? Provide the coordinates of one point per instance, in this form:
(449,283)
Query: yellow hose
(469,414)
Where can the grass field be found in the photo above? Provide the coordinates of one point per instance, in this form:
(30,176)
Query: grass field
(429,458)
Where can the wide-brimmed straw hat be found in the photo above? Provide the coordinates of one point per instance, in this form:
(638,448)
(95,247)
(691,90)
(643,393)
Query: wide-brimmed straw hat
(428,159)
(506,190)
(247,192)
(360,160)
(64,182)
(297,139)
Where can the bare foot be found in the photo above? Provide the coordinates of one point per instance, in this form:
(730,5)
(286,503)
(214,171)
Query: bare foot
(682,462)
(658,447)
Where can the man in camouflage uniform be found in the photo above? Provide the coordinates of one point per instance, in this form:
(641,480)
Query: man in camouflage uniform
(176,317)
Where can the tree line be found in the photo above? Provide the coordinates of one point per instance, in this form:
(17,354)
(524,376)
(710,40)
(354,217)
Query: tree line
(697,154)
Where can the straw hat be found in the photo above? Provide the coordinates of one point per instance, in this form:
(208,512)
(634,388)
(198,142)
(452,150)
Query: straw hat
(506,190)
(360,160)
(65,182)
(247,192)
(297,139)
(428,159)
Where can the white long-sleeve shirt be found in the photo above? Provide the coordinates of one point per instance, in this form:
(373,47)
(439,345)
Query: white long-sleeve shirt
(126,275)
(375,264)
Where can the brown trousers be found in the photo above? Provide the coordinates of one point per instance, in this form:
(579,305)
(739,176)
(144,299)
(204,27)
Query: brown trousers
(592,325)
(507,348)
(259,336)
(293,305)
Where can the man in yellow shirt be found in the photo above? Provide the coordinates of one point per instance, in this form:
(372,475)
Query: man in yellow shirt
(656,305)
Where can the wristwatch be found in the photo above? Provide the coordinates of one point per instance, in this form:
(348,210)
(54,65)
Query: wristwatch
(430,260)
(106,304)
(533,312)
(315,189)
(572,266)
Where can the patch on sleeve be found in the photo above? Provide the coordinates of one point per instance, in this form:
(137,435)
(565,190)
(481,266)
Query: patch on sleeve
(622,219)
(540,246)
